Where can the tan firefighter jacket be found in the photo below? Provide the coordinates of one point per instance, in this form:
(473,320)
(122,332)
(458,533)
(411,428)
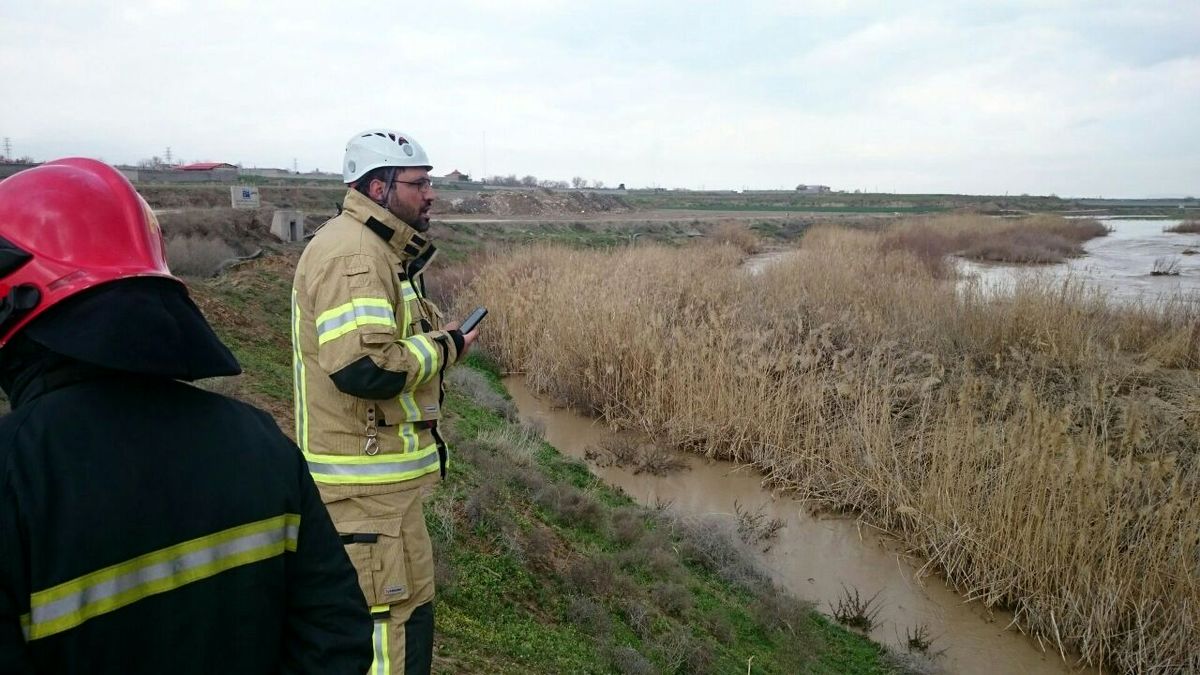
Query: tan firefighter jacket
(369,352)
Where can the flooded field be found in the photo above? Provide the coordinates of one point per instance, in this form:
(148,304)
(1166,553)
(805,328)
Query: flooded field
(816,557)
(1118,264)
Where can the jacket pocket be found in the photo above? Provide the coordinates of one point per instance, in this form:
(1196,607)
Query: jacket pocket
(376,549)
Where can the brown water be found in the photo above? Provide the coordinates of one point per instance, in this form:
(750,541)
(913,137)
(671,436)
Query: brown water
(813,557)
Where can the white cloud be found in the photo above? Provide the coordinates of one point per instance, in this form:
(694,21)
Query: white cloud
(1066,97)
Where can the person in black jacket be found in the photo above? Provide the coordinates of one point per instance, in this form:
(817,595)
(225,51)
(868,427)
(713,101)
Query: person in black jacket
(146,525)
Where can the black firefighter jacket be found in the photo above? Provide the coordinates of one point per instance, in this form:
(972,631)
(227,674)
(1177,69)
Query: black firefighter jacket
(148,526)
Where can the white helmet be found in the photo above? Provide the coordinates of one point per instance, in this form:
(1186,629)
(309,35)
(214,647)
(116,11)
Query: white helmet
(374,148)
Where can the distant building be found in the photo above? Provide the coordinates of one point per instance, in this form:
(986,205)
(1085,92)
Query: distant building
(812,189)
(9,168)
(457,175)
(205,166)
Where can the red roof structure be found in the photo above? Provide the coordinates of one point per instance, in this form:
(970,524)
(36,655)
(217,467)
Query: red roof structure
(205,166)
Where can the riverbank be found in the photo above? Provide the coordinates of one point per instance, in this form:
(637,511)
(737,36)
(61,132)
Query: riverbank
(541,567)
(1034,449)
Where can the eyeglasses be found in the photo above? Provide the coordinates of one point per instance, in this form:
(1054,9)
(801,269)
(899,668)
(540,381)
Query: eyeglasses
(422,184)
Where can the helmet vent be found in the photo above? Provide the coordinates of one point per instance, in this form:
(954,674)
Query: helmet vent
(12,257)
(398,140)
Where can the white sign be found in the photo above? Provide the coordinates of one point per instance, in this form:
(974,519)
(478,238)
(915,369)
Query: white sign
(244,197)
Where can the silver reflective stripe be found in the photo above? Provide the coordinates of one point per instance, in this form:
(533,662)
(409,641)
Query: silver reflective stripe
(373,469)
(298,384)
(380,665)
(351,315)
(427,359)
(176,569)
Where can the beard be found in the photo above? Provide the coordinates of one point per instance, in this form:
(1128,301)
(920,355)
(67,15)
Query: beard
(416,218)
(420,224)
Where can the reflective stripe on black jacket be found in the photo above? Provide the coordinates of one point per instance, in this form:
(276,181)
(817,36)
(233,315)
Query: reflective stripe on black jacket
(148,526)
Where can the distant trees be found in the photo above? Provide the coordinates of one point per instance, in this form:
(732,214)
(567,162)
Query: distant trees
(528,181)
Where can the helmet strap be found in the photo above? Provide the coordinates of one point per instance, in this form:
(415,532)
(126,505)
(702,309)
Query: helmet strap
(391,183)
(17,303)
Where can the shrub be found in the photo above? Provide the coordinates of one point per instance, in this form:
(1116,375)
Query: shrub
(672,598)
(589,615)
(475,386)
(629,661)
(594,576)
(737,234)
(195,256)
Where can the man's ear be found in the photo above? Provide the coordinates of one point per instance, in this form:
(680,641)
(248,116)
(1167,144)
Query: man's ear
(375,189)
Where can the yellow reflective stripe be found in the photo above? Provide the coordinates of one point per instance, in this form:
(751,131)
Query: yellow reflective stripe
(69,604)
(426,354)
(380,664)
(359,312)
(412,413)
(408,435)
(408,292)
(372,469)
(299,386)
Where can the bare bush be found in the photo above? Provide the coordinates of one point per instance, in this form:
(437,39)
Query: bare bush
(639,616)
(589,615)
(854,611)
(482,508)
(595,576)
(625,453)
(475,386)
(781,610)
(755,527)
(628,526)
(1165,267)
(672,599)
(193,256)
(629,661)
(570,505)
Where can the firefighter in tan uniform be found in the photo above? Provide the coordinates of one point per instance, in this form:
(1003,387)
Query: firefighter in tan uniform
(370,351)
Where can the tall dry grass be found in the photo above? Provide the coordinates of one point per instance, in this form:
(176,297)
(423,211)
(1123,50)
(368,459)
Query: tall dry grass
(1186,227)
(1039,449)
(1033,239)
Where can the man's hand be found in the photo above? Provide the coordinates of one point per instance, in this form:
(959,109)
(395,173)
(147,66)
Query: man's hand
(468,338)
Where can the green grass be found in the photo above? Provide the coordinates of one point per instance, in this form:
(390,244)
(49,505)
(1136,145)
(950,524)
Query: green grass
(532,575)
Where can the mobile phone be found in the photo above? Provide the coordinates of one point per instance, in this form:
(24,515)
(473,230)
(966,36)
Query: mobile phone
(472,320)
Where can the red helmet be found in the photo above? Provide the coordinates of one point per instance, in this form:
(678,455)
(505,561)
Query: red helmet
(65,227)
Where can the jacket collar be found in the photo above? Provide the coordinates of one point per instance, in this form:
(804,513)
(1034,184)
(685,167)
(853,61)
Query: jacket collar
(29,370)
(413,248)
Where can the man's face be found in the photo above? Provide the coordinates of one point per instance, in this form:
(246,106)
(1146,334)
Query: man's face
(411,197)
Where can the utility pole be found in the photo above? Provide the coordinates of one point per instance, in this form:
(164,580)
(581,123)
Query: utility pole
(483,174)
(295,166)
(7,147)
(167,155)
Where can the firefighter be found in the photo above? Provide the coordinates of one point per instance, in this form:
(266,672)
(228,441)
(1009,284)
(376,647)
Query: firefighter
(370,351)
(146,525)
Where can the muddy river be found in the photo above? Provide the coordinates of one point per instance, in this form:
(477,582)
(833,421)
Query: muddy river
(1119,263)
(814,556)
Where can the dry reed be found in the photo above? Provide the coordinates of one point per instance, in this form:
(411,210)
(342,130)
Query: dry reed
(1186,227)
(1039,448)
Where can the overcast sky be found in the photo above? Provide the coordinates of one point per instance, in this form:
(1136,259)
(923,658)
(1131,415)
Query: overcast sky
(1073,98)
